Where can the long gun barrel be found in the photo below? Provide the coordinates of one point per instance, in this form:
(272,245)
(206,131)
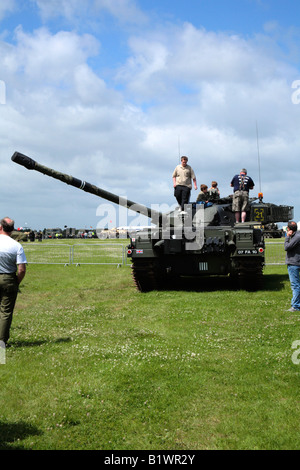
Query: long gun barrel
(31,164)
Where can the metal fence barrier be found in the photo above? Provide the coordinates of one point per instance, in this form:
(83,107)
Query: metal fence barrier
(39,253)
(89,253)
(275,253)
(110,253)
(101,253)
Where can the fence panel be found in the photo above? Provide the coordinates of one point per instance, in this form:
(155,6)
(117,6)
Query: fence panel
(38,253)
(275,253)
(111,253)
(101,253)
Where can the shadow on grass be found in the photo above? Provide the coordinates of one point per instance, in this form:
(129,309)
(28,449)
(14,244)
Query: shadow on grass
(24,343)
(12,433)
(275,281)
(270,282)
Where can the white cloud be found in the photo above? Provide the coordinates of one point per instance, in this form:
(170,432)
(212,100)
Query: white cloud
(205,88)
(7,6)
(43,57)
(189,57)
(53,8)
(125,11)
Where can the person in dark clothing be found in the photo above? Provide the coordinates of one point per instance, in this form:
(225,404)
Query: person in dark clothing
(241,185)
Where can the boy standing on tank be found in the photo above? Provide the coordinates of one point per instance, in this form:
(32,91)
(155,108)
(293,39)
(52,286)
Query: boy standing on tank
(214,192)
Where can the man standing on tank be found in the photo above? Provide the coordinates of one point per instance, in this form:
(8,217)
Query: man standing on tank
(241,184)
(183,175)
(12,271)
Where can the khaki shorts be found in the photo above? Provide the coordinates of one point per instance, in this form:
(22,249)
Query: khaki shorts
(240,201)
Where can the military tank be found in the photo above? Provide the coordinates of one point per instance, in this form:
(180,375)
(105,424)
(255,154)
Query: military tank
(272,231)
(205,240)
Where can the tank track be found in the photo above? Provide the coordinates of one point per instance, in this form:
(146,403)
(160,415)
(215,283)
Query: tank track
(250,275)
(146,275)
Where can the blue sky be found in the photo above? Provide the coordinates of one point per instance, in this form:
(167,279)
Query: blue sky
(245,17)
(105,89)
(239,16)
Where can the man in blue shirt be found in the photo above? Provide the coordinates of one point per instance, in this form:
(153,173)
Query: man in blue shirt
(241,185)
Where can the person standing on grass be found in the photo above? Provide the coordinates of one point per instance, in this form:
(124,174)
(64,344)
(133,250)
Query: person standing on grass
(12,271)
(292,248)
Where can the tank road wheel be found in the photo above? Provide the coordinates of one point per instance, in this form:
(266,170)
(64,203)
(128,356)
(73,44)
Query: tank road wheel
(146,275)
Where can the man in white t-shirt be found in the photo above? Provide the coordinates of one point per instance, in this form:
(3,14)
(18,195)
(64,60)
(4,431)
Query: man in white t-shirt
(12,271)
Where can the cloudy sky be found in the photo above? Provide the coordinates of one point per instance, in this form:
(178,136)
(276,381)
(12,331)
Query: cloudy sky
(112,91)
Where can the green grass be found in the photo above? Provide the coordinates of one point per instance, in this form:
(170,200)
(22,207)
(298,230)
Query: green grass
(94,364)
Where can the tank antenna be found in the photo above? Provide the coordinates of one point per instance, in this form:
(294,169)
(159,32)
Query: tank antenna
(179,147)
(258,156)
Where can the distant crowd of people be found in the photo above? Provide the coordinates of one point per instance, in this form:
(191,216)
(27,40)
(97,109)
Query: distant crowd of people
(183,176)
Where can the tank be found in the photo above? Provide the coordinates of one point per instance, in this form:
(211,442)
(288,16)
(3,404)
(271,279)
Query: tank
(205,240)
(272,231)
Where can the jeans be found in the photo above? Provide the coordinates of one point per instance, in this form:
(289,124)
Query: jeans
(182,194)
(294,272)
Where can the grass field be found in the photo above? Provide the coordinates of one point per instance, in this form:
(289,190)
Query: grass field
(94,364)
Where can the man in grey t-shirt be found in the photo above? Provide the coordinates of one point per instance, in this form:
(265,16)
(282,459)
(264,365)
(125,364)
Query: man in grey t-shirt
(12,271)
(292,248)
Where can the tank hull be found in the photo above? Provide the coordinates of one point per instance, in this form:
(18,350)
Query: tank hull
(237,252)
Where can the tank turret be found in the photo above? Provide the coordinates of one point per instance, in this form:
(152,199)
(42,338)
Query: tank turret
(204,241)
